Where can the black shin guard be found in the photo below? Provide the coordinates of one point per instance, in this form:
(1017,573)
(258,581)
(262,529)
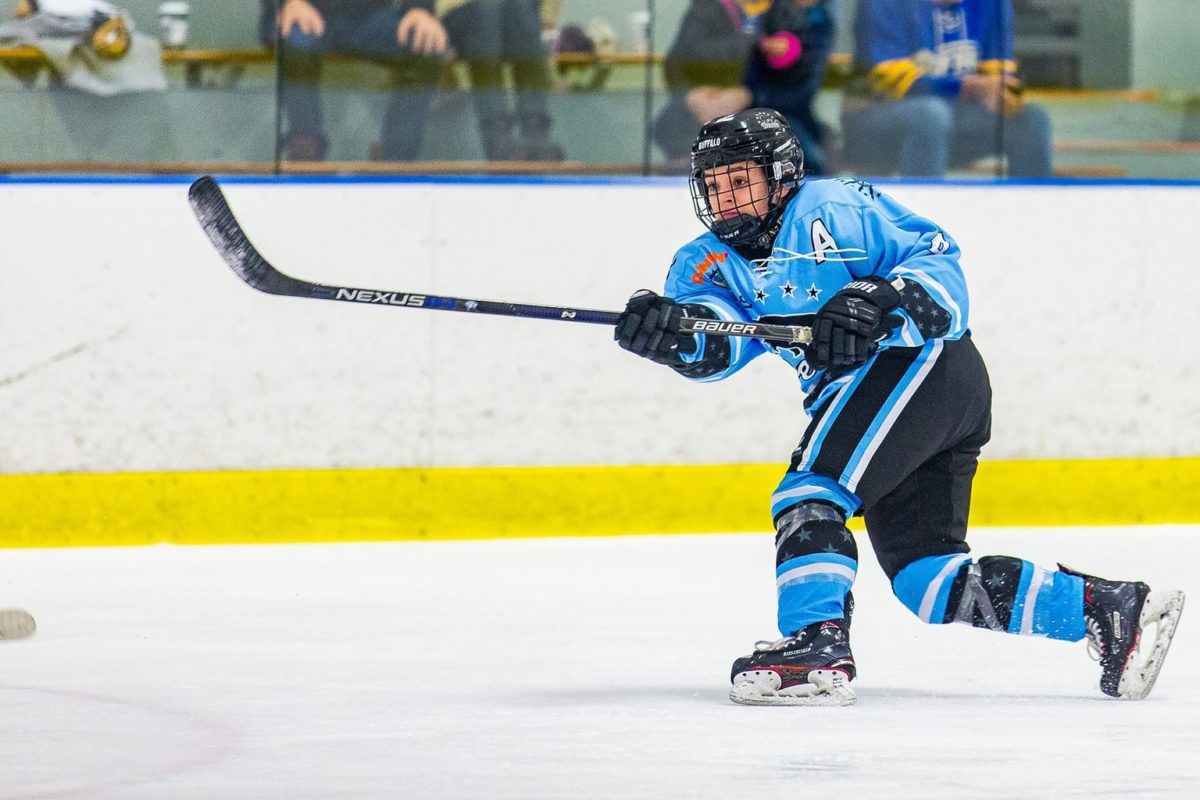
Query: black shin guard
(810,528)
(983,593)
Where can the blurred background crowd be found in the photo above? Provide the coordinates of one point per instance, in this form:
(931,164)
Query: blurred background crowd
(918,88)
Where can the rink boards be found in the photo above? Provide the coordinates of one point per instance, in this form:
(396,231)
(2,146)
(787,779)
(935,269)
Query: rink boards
(490,502)
(150,396)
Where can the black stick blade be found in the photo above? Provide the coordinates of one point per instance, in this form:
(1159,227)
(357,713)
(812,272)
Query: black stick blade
(212,210)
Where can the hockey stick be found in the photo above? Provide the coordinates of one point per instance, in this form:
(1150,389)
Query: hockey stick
(226,235)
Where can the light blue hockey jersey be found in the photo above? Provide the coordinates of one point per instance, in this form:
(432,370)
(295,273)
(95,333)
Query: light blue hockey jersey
(833,232)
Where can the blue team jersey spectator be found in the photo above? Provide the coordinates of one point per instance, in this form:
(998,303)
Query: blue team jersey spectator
(938,89)
(915,47)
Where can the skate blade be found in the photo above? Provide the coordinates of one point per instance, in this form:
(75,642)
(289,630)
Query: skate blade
(16,624)
(1161,610)
(761,688)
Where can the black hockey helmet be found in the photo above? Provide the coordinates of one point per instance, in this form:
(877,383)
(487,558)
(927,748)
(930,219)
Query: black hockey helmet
(762,137)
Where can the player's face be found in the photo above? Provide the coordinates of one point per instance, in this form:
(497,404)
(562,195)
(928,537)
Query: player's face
(739,188)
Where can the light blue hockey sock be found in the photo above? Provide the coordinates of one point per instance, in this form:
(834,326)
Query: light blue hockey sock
(997,592)
(812,589)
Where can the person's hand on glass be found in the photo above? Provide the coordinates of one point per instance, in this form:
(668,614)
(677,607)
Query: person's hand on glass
(421,32)
(303,15)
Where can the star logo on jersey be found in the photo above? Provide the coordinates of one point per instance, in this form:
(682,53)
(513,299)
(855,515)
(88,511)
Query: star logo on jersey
(789,290)
(814,293)
(760,296)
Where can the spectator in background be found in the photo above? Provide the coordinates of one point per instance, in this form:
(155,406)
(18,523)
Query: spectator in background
(487,34)
(404,35)
(787,67)
(91,46)
(730,55)
(939,89)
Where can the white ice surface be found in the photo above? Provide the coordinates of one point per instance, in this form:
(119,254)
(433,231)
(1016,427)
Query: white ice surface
(578,668)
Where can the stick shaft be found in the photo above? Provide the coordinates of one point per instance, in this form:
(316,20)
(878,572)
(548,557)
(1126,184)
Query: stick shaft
(351,294)
(226,234)
(780,334)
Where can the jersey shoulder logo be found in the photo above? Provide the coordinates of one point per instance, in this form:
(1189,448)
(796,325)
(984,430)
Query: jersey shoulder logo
(710,260)
(860,186)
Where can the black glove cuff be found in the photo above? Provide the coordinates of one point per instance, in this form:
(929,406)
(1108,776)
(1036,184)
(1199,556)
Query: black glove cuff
(875,290)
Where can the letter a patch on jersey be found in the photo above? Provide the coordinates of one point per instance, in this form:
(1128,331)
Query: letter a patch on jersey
(822,242)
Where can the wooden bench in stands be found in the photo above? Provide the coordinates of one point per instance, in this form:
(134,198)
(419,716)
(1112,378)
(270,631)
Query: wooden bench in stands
(195,62)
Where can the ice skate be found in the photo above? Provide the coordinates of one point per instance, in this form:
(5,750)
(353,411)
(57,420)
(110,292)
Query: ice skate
(812,668)
(16,624)
(1118,615)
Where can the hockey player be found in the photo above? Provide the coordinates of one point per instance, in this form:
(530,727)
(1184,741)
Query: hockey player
(900,406)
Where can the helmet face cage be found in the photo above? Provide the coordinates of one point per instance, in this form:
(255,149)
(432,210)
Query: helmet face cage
(756,144)
(748,220)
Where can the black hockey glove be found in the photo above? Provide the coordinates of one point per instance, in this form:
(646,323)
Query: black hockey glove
(649,327)
(848,328)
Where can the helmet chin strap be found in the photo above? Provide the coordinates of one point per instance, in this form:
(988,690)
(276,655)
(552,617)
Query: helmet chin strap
(763,236)
(727,229)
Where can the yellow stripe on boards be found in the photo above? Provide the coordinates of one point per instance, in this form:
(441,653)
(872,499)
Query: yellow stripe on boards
(475,503)
(1140,491)
(381,504)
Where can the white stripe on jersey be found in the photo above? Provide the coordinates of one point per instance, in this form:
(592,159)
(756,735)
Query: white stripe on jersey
(890,420)
(826,420)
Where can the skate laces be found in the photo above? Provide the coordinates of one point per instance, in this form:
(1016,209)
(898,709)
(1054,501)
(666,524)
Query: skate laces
(1095,640)
(1095,644)
(763,645)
